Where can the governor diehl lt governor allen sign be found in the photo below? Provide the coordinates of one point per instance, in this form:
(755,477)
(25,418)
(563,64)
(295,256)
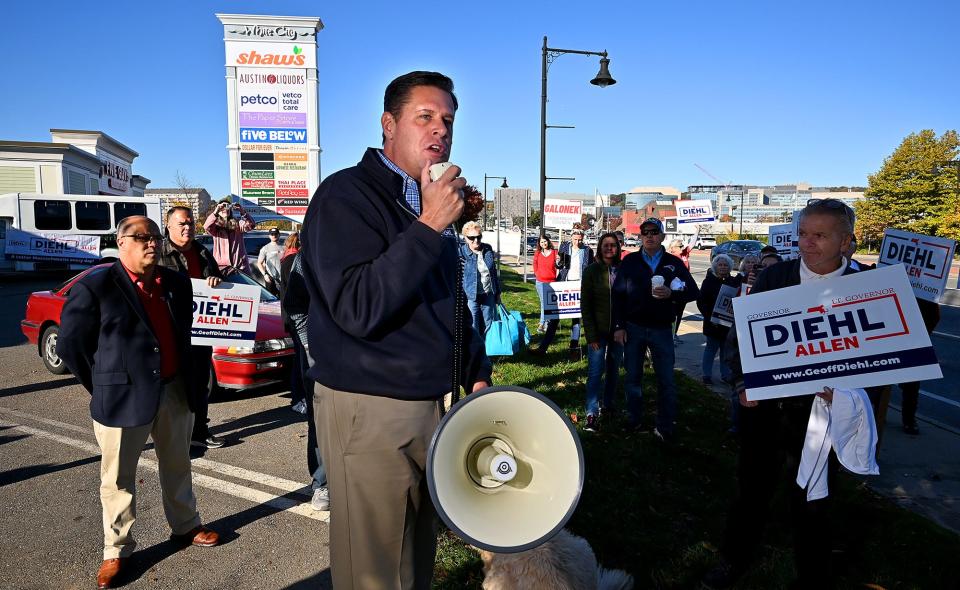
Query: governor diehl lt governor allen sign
(852,331)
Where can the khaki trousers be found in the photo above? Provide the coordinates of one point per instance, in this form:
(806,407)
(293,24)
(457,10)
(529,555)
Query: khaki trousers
(120,449)
(383,529)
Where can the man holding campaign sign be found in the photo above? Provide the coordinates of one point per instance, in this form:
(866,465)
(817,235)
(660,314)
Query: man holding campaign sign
(826,326)
(181,252)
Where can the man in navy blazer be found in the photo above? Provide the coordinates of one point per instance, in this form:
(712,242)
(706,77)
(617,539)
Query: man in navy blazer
(125,334)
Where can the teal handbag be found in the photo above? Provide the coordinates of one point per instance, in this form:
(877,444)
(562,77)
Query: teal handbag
(506,333)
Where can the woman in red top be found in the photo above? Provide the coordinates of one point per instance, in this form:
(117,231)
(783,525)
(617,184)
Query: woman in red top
(545,269)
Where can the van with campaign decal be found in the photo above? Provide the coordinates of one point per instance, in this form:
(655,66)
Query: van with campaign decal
(64,232)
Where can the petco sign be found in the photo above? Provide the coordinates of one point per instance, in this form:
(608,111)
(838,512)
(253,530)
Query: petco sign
(854,331)
(926,258)
(694,211)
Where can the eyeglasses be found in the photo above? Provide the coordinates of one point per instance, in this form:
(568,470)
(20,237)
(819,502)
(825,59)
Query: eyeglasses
(650,232)
(144,238)
(473,238)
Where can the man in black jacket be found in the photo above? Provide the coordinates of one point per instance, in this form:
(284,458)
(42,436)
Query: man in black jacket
(649,286)
(773,431)
(181,252)
(125,334)
(380,265)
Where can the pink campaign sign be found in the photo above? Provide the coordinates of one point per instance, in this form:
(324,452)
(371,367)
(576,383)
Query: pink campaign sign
(290,120)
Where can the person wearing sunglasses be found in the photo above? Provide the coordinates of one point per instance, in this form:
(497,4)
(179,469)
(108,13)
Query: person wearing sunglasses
(125,335)
(650,285)
(481,284)
(772,432)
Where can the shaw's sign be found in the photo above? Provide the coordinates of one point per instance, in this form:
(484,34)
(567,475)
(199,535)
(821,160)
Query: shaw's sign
(270,55)
(853,331)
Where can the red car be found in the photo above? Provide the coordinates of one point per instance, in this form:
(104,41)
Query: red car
(268,361)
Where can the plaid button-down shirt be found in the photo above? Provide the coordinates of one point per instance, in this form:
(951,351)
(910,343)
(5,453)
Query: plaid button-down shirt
(411,190)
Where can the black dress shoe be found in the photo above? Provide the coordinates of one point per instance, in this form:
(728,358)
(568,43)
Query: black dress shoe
(911,429)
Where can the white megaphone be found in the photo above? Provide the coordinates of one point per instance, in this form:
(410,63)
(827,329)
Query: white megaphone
(505,469)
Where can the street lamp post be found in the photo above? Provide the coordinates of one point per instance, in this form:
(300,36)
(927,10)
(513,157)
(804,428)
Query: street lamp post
(496,207)
(602,79)
(741,214)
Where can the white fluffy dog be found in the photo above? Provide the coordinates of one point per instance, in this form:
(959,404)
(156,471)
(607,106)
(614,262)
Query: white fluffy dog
(565,562)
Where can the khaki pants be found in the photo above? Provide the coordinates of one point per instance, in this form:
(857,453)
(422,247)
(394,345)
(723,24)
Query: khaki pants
(121,448)
(383,530)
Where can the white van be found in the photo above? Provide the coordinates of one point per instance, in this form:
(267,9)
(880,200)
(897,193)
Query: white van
(61,232)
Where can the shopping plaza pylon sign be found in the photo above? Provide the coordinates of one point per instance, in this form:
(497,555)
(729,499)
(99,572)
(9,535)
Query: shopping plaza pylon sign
(274,143)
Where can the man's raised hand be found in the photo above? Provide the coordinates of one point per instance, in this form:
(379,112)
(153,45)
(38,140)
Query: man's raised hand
(441,199)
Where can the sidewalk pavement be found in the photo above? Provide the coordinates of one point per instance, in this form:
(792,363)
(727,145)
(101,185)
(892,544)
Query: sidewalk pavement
(920,473)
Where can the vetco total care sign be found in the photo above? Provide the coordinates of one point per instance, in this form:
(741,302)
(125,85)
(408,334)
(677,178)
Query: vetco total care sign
(852,331)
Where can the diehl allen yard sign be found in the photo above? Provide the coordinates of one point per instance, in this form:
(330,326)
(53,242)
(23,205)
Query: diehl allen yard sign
(852,331)
(225,315)
(927,260)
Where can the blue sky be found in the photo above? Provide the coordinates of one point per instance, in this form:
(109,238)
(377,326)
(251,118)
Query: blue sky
(755,92)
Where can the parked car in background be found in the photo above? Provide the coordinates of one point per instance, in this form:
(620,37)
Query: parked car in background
(630,242)
(737,249)
(704,242)
(269,360)
(252,241)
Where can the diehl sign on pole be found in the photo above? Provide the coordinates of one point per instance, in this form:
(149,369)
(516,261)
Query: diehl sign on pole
(274,143)
(852,331)
(926,258)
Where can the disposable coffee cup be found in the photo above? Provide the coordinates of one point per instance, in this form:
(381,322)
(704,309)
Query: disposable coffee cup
(656,281)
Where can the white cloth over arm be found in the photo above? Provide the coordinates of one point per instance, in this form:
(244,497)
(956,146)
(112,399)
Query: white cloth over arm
(848,427)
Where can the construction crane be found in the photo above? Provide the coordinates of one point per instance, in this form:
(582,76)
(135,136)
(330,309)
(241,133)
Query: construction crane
(727,190)
(726,185)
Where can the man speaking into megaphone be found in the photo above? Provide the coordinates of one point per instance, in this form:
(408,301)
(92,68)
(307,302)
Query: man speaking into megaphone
(381,271)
